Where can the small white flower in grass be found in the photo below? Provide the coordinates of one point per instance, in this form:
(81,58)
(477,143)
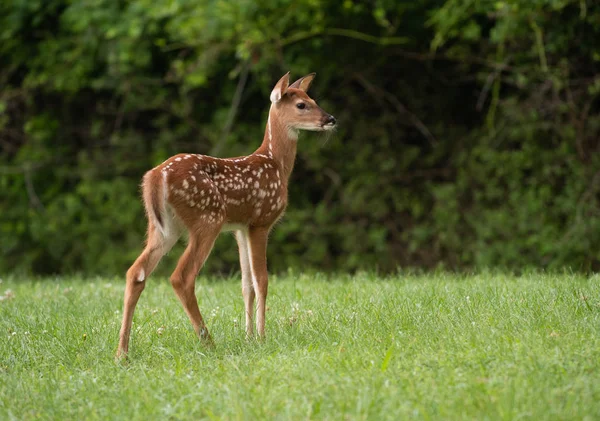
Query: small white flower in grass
(468,299)
(160,330)
(214,311)
(8,294)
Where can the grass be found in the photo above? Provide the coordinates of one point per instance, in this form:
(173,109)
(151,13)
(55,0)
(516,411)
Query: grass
(438,346)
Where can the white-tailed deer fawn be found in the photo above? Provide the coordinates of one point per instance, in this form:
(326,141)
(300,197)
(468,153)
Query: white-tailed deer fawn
(207,196)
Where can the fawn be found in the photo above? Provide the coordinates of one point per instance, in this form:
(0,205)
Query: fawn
(207,196)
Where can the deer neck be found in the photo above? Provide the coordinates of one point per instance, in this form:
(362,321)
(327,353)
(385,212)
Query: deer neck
(280,143)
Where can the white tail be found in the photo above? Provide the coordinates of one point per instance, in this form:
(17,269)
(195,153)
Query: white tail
(207,196)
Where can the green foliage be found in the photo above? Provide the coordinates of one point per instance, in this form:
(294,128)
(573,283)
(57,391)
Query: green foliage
(469,130)
(440,346)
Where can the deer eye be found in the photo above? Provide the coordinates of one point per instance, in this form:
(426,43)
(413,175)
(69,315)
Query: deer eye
(301,105)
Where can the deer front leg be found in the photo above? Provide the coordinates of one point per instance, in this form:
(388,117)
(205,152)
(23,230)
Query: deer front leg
(247,287)
(258,262)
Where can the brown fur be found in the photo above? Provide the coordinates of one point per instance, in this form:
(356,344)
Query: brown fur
(205,195)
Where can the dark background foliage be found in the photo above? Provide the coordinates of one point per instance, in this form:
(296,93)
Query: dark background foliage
(469,130)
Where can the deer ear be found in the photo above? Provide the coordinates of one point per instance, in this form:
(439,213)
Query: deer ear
(304,82)
(280,88)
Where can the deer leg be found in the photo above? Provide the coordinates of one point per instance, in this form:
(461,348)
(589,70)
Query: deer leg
(247,287)
(257,241)
(183,278)
(156,247)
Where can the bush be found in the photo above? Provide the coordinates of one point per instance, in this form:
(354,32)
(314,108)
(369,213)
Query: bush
(468,137)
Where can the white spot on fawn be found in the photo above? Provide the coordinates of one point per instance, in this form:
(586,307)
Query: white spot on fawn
(185,184)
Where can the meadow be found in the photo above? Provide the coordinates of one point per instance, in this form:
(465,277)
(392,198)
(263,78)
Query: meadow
(408,346)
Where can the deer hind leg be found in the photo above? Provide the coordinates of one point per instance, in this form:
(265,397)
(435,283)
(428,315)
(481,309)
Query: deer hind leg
(183,278)
(257,241)
(247,287)
(156,247)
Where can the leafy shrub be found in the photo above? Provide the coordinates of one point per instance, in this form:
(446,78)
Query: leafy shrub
(469,131)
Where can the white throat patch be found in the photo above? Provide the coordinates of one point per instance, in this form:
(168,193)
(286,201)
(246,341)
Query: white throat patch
(293,133)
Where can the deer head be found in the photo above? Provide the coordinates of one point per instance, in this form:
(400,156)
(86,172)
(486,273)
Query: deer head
(300,112)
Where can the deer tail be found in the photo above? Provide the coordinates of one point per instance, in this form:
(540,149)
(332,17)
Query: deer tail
(154,193)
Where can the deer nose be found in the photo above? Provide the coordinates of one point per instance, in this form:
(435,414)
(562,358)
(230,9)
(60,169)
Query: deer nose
(330,120)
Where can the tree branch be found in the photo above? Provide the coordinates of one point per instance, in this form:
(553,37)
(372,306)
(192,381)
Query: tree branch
(235,104)
(347,33)
(400,108)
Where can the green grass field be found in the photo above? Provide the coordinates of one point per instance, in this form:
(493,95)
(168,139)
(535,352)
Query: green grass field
(432,346)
